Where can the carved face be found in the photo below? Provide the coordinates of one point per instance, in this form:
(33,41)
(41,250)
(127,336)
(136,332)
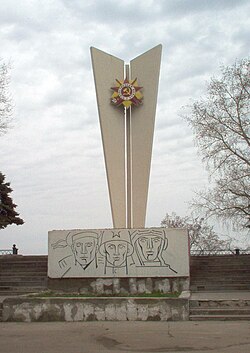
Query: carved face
(116,252)
(84,249)
(150,246)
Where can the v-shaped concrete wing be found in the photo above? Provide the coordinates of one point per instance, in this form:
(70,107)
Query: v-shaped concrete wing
(147,68)
(128,190)
(106,69)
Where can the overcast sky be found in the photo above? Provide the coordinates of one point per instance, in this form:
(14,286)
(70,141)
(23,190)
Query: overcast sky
(53,154)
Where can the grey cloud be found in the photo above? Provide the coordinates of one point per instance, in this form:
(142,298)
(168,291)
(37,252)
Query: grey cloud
(187,7)
(53,155)
(146,11)
(34,16)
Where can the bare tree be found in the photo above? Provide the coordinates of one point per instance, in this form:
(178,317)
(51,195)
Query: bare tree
(5,99)
(221,124)
(203,239)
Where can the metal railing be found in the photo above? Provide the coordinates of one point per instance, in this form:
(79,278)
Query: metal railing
(6,252)
(13,251)
(219,252)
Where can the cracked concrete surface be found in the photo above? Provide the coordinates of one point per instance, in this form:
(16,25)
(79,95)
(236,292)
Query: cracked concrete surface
(125,337)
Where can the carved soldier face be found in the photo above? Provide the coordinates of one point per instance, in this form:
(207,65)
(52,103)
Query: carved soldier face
(116,252)
(150,246)
(84,249)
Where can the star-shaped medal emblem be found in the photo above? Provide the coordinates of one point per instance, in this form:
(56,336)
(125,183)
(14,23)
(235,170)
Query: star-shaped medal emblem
(127,93)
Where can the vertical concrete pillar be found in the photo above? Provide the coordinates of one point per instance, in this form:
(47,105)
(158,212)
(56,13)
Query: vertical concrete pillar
(146,68)
(106,69)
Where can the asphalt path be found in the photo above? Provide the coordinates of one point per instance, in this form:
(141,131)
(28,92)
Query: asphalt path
(125,337)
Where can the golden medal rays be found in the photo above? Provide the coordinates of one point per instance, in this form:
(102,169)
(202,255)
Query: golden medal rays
(126,93)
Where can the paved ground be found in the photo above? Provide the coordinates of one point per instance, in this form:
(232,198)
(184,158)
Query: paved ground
(130,337)
(125,337)
(229,295)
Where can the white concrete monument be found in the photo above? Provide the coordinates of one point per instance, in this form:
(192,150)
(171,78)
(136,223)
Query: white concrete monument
(126,99)
(127,124)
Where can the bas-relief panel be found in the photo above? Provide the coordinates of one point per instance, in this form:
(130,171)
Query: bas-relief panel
(147,252)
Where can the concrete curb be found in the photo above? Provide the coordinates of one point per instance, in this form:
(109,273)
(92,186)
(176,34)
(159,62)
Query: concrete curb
(95,309)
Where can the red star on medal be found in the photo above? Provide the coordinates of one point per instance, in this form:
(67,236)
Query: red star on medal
(127,93)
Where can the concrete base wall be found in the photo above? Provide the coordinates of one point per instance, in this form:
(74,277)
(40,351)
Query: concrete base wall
(95,309)
(109,286)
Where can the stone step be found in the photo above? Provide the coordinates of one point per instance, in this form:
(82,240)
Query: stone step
(219,287)
(34,282)
(218,283)
(11,290)
(219,259)
(212,279)
(20,271)
(217,264)
(220,311)
(20,258)
(23,268)
(226,268)
(228,265)
(1,312)
(23,264)
(205,277)
(214,266)
(23,257)
(221,283)
(219,272)
(20,288)
(209,274)
(219,303)
(219,317)
(22,278)
(220,265)
(17,293)
(22,275)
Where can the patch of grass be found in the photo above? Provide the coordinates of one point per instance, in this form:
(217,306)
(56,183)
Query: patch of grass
(51,294)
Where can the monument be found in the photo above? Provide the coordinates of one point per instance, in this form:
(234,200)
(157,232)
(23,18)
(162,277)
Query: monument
(127,257)
(127,129)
